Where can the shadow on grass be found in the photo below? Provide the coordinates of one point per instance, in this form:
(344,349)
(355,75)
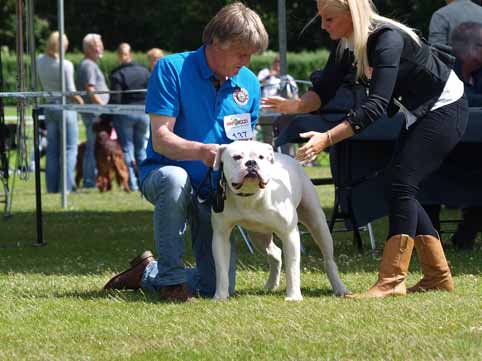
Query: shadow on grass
(153,297)
(121,295)
(95,242)
(306,292)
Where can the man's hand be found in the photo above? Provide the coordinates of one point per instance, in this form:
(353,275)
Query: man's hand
(208,154)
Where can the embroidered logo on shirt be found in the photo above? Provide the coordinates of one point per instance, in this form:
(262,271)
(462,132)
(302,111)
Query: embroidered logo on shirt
(240,96)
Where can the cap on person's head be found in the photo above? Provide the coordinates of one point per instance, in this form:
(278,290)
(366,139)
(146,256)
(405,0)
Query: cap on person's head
(237,23)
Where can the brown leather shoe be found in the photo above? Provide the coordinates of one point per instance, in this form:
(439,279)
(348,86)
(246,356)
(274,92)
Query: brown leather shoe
(131,279)
(176,293)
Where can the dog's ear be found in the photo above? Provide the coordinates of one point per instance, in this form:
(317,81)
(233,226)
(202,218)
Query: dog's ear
(270,153)
(218,160)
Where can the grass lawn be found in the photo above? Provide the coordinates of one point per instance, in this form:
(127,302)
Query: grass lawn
(52,306)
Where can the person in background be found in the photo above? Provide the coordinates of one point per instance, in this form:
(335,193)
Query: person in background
(90,78)
(48,66)
(466,40)
(131,129)
(273,83)
(442,23)
(448,17)
(403,75)
(153,55)
(195,100)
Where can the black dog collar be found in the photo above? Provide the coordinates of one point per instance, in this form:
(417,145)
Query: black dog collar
(245,194)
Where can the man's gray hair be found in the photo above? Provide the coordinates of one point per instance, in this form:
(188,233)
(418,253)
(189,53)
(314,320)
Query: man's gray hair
(90,39)
(237,23)
(465,36)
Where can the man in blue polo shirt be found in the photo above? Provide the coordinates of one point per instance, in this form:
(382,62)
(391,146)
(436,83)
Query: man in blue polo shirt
(196,101)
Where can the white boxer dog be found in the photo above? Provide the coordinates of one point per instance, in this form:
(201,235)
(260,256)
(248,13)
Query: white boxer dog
(266,193)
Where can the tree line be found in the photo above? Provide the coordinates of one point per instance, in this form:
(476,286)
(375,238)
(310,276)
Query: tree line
(177,25)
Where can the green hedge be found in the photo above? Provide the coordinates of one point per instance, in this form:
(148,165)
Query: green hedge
(300,65)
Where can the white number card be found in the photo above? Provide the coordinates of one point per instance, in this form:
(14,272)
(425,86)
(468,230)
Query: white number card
(238,126)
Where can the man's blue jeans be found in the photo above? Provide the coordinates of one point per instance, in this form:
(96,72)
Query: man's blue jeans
(89,166)
(169,190)
(53,120)
(132,134)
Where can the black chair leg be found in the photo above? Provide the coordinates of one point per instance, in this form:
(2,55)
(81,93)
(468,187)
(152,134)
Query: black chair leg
(357,240)
(336,212)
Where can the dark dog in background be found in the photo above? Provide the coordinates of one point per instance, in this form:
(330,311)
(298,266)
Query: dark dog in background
(109,158)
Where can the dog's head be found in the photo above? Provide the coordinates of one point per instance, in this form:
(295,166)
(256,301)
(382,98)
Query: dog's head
(103,124)
(246,165)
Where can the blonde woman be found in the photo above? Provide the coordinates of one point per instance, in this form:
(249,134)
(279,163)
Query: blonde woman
(48,65)
(404,74)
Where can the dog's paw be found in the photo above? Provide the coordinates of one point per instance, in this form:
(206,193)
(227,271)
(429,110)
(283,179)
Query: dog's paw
(342,292)
(294,298)
(269,286)
(272,284)
(220,297)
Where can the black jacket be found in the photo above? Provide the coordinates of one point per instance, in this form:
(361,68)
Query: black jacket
(414,74)
(129,77)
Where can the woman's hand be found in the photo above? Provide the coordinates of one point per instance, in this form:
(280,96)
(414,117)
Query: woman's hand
(316,144)
(280,104)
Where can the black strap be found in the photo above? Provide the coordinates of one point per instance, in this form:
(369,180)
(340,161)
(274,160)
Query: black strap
(217,198)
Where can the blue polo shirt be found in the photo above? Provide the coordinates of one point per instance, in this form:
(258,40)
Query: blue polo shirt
(181,86)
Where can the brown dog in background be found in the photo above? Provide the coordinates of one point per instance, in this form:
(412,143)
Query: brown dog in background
(109,158)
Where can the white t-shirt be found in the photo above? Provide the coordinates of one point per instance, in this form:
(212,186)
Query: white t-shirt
(453,91)
(273,86)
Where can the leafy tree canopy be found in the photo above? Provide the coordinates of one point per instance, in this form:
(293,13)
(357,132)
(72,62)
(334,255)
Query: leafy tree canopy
(178,25)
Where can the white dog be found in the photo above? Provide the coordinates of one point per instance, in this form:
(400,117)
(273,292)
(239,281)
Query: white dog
(266,193)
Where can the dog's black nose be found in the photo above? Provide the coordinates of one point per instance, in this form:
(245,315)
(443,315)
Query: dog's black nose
(251,164)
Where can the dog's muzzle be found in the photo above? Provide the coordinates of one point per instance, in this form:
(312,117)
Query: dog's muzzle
(252,172)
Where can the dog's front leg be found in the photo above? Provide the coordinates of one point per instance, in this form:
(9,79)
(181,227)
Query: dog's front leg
(221,254)
(291,250)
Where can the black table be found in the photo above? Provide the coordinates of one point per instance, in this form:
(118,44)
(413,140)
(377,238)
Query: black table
(357,166)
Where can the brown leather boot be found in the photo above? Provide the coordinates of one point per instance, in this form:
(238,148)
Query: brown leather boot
(435,269)
(393,269)
(131,279)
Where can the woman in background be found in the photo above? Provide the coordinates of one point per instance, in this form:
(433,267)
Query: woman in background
(48,68)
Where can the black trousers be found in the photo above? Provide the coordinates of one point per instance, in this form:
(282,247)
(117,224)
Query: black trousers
(419,152)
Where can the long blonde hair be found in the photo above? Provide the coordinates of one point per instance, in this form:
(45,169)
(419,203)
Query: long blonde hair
(365,20)
(53,45)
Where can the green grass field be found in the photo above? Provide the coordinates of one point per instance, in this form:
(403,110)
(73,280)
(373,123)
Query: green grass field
(52,306)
